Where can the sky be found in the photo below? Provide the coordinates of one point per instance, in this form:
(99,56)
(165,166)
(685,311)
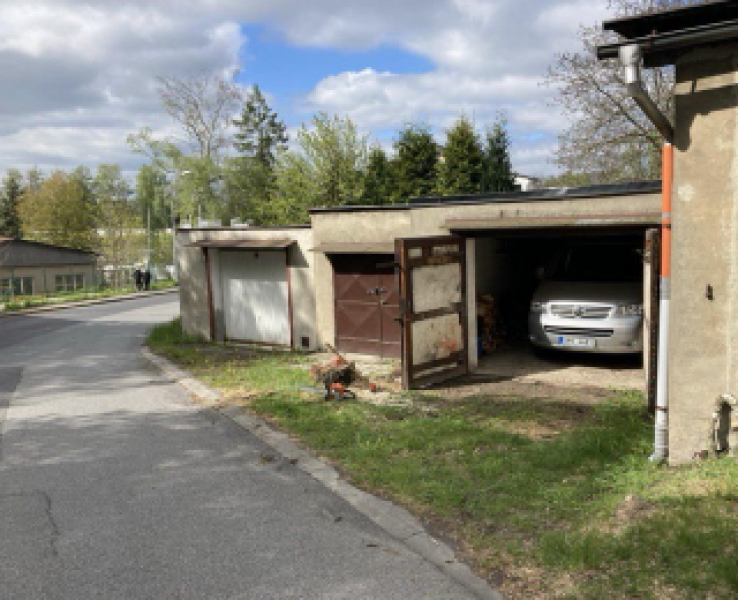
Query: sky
(77,77)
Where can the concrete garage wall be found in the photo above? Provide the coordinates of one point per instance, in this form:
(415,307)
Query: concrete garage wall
(385,224)
(193,279)
(492,273)
(704,333)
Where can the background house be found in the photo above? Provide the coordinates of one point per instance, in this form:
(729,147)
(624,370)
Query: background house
(28,267)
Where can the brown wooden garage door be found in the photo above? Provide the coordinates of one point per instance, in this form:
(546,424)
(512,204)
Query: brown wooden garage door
(367,304)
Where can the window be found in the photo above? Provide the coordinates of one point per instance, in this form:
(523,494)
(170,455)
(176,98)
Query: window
(69,283)
(16,286)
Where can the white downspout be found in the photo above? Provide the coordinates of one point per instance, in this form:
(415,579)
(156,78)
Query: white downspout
(630,57)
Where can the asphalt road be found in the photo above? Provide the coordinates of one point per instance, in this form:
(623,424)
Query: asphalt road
(113,485)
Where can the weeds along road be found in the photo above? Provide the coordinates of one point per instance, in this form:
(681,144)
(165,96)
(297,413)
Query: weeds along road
(114,485)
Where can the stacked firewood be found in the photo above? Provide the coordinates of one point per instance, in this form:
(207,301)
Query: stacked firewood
(490,325)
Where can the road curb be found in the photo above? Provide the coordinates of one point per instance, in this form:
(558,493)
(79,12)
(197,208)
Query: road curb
(37,309)
(396,521)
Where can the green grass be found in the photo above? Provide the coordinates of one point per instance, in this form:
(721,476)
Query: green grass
(20,302)
(527,487)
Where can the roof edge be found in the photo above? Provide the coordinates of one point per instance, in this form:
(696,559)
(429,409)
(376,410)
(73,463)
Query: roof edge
(244,228)
(542,195)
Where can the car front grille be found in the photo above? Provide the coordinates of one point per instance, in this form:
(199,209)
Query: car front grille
(581,311)
(581,332)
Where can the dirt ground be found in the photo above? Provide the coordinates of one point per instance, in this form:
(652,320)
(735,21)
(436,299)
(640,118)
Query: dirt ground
(574,377)
(565,369)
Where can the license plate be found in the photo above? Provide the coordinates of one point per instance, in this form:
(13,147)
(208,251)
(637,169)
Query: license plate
(574,342)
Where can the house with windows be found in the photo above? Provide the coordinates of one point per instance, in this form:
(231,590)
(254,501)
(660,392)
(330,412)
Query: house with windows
(28,267)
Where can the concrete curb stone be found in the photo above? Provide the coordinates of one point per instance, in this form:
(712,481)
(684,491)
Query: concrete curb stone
(396,521)
(49,307)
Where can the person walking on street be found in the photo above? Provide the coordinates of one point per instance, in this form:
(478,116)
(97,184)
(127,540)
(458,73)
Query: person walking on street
(147,279)
(138,278)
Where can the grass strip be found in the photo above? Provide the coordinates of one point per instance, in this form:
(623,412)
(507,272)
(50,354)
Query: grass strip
(32,301)
(547,498)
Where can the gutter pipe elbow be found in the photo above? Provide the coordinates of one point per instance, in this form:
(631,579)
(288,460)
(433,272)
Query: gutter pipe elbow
(630,58)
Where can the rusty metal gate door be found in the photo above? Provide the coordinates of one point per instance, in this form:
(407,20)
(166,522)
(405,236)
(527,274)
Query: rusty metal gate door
(433,309)
(366,305)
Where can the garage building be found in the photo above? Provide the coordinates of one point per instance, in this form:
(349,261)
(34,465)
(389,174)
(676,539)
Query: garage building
(248,284)
(417,270)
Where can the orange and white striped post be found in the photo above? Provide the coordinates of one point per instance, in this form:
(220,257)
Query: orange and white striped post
(661,430)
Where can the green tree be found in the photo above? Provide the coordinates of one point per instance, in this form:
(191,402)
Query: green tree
(250,178)
(10,196)
(165,159)
(417,162)
(497,173)
(121,237)
(260,134)
(60,211)
(152,197)
(296,190)
(34,178)
(336,153)
(379,178)
(461,170)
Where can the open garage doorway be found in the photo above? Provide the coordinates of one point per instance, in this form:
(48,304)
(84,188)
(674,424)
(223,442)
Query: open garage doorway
(566,307)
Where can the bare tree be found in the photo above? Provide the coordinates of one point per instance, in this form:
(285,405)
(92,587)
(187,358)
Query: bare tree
(204,107)
(609,139)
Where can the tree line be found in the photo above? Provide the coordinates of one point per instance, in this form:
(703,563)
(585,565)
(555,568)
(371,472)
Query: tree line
(95,212)
(242,167)
(247,168)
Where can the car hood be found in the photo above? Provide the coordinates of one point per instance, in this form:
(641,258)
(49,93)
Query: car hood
(574,291)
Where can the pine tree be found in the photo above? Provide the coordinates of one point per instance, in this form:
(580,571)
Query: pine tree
(379,180)
(10,195)
(260,133)
(417,160)
(461,171)
(250,177)
(497,173)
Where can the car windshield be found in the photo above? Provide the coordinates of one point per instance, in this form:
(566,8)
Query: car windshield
(598,264)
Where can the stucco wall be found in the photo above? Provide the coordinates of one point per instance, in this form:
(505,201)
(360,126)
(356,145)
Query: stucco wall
(44,278)
(419,221)
(193,279)
(703,342)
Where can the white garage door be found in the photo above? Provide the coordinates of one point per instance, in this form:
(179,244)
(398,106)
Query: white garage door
(255,296)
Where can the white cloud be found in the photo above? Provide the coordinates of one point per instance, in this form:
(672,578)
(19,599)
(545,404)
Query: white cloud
(79,76)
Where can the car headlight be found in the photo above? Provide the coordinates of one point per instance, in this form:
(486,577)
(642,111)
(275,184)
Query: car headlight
(537,307)
(629,310)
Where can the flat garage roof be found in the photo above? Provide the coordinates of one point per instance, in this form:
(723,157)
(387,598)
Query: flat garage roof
(643,219)
(279,244)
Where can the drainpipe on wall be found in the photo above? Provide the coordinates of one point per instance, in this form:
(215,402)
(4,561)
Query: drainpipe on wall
(630,57)
(661,430)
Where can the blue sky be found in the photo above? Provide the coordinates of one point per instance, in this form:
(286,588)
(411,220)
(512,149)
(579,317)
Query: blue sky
(78,78)
(289,72)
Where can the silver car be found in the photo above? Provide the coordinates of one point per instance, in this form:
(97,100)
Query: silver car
(590,299)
